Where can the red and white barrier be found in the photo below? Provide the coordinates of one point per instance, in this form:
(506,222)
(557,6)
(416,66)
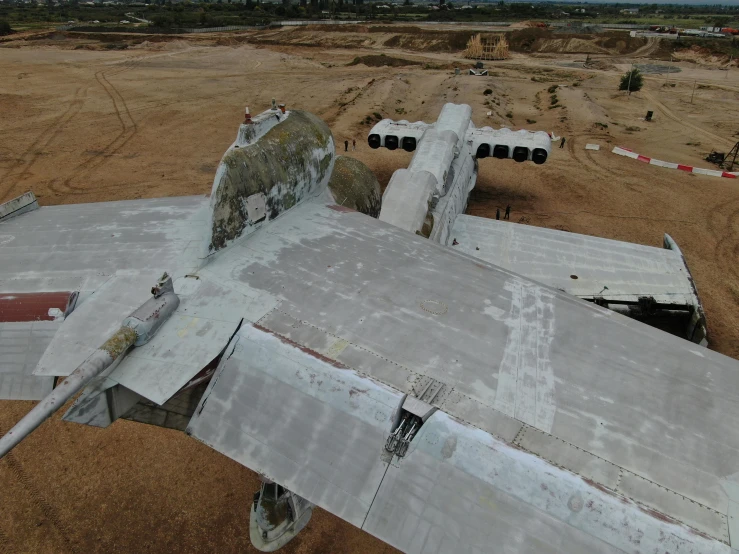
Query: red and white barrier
(689,168)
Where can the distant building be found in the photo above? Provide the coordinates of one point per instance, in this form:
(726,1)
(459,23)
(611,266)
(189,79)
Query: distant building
(630,11)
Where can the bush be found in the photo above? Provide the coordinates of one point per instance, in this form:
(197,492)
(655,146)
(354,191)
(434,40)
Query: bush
(488,91)
(553,100)
(531,121)
(552,89)
(378,116)
(509,115)
(5,28)
(631,81)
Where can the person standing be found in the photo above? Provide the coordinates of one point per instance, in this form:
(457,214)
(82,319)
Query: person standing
(354,144)
(497,213)
(507,212)
(562,142)
(346,146)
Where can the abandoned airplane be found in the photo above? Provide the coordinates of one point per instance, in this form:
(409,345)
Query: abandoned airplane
(345,350)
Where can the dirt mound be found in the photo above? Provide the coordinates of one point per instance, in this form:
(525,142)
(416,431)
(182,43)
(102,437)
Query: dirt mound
(525,40)
(570,46)
(367,36)
(527,24)
(382,60)
(704,56)
(175,45)
(431,41)
(545,41)
(320,38)
(599,65)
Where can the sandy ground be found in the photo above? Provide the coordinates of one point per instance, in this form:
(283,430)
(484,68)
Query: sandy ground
(90,125)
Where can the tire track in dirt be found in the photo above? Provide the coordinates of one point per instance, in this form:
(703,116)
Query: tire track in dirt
(5,546)
(666,111)
(591,164)
(652,45)
(332,114)
(42,141)
(627,178)
(39,501)
(726,251)
(129,128)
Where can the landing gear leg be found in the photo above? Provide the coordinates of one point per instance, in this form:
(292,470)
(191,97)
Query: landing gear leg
(277,516)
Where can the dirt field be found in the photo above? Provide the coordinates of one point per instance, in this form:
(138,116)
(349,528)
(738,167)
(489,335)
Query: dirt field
(83,121)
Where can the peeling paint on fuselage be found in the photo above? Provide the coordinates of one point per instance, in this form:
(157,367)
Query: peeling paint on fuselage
(291,162)
(525,377)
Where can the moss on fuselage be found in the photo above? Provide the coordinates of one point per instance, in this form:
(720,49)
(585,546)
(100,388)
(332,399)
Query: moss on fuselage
(353,185)
(291,162)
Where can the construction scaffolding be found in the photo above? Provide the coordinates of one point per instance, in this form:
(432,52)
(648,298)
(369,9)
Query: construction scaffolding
(487,47)
(730,158)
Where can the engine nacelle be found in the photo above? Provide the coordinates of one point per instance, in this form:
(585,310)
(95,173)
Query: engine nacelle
(426,197)
(521,146)
(396,134)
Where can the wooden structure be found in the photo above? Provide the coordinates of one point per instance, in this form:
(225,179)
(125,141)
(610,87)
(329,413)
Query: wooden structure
(487,47)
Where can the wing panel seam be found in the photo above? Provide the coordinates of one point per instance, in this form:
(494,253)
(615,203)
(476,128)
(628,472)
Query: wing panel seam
(622,470)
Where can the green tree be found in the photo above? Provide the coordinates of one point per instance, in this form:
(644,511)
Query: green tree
(718,21)
(632,81)
(5,28)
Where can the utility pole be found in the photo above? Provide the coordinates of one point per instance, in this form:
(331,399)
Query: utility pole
(691,96)
(631,72)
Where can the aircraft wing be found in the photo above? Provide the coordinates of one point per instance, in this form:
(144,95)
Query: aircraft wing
(610,272)
(560,426)
(70,274)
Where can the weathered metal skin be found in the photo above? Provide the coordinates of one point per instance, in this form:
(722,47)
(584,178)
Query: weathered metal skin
(293,161)
(98,361)
(147,319)
(353,185)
